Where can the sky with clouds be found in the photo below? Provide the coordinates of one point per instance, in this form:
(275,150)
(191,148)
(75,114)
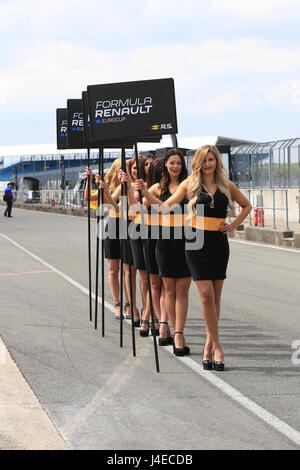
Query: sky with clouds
(236,64)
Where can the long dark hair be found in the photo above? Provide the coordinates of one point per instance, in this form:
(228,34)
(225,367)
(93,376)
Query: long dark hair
(155,171)
(165,181)
(131,163)
(142,165)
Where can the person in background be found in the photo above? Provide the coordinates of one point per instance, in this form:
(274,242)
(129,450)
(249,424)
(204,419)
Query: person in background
(8,198)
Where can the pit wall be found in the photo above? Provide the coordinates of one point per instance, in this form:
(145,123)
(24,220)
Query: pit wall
(293,201)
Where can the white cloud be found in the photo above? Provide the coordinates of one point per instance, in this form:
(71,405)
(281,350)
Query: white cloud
(50,73)
(265,10)
(286,95)
(222,103)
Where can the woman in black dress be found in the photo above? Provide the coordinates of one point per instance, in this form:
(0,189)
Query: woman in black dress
(136,245)
(154,176)
(112,242)
(112,193)
(170,250)
(209,187)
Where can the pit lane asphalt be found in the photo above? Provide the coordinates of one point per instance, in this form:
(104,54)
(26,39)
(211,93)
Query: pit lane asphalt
(98,396)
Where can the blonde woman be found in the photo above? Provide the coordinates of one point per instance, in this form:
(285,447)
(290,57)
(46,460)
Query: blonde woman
(209,188)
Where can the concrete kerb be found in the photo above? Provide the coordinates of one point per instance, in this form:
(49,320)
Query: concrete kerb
(266,235)
(79,212)
(25,425)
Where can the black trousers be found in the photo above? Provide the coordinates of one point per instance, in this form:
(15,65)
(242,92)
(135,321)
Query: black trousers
(8,208)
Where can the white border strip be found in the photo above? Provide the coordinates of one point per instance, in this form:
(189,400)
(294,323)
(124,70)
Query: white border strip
(295,250)
(234,394)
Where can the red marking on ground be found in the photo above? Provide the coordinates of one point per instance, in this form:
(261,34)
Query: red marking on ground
(29,272)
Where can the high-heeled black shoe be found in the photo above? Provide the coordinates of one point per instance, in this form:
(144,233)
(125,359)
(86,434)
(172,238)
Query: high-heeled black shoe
(136,321)
(145,333)
(117,317)
(153,326)
(218,366)
(178,351)
(165,341)
(207,363)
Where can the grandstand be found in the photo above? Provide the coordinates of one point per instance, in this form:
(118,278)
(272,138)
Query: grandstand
(45,167)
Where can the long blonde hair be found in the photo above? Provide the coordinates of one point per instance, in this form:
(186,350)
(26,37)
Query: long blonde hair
(111,177)
(194,181)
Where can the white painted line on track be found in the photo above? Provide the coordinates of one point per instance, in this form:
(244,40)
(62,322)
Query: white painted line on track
(277,424)
(295,250)
(67,278)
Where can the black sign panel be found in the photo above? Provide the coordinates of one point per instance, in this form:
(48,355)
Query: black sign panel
(108,144)
(61,128)
(87,136)
(132,109)
(75,124)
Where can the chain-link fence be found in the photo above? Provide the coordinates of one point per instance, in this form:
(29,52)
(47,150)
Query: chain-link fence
(267,165)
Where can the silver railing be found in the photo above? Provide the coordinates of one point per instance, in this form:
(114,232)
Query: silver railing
(273,208)
(53,197)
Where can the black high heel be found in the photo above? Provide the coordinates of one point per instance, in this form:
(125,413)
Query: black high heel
(127,305)
(218,366)
(207,363)
(136,321)
(165,341)
(145,333)
(117,317)
(178,351)
(153,326)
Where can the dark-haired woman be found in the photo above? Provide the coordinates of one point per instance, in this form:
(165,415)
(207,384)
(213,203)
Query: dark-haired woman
(170,251)
(157,288)
(145,163)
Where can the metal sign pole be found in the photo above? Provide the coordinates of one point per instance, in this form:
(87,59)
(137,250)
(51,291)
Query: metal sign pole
(100,214)
(101,168)
(89,237)
(127,245)
(147,265)
(121,231)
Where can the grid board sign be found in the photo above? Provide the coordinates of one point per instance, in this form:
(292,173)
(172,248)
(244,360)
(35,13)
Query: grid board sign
(61,128)
(87,136)
(132,109)
(75,124)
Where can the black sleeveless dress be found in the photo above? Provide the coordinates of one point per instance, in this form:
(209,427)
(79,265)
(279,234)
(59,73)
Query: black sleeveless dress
(137,250)
(150,246)
(125,247)
(112,242)
(170,252)
(210,261)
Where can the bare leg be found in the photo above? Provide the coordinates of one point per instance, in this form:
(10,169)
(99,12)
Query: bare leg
(113,281)
(181,308)
(155,290)
(170,298)
(143,286)
(209,309)
(164,329)
(218,286)
(127,288)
